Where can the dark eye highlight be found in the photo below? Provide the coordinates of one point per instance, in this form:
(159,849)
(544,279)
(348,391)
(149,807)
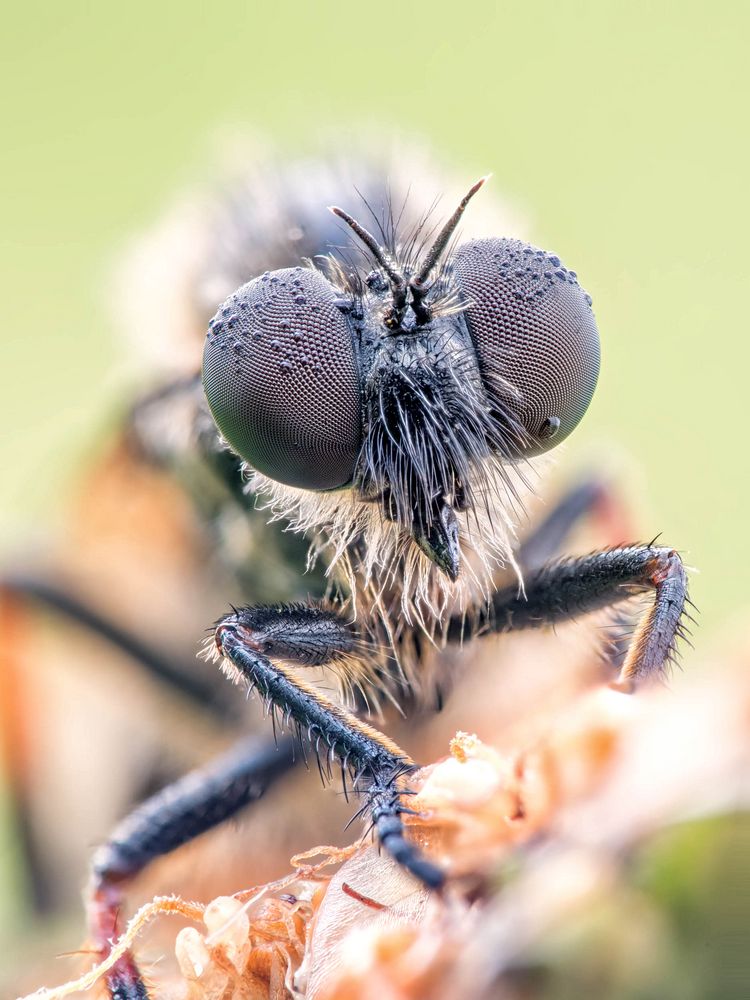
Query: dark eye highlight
(533,327)
(281,379)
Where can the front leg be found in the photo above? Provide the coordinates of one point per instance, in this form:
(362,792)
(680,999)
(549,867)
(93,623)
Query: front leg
(571,587)
(174,816)
(250,641)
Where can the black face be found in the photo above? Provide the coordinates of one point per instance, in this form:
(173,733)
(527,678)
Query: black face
(407,387)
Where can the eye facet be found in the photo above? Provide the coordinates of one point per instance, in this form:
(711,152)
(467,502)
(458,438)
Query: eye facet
(281,379)
(532,327)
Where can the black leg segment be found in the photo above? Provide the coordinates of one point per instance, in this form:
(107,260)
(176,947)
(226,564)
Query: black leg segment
(191,806)
(376,765)
(179,813)
(570,587)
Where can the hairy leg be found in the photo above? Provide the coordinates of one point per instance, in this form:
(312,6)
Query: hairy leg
(571,587)
(177,814)
(250,641)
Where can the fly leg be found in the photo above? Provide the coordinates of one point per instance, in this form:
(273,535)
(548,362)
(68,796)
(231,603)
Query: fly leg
(571,587)
(193,804)
(252,641)
(249,643)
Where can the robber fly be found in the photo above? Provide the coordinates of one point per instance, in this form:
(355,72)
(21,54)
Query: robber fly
(387,403)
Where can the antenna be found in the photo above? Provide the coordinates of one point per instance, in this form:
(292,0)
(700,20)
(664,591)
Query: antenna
(418,284)
(395,277)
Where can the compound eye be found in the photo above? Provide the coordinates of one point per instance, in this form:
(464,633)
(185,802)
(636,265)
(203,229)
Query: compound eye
(533,328)
(281,379)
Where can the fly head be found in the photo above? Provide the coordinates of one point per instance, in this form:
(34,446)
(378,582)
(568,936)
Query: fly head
(416,387)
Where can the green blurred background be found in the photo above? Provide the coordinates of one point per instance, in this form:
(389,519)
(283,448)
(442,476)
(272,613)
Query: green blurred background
(620,129)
